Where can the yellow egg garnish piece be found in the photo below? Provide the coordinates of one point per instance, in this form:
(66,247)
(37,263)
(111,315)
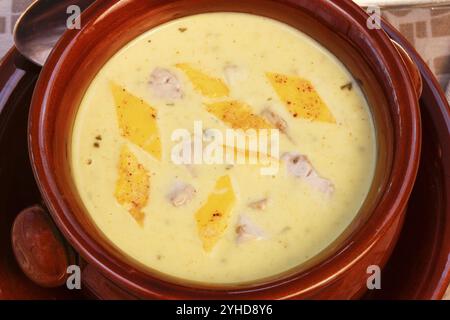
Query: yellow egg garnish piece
(213,217)
(208,86)
(300,97)
(133,185)
(137,120)
(238,115)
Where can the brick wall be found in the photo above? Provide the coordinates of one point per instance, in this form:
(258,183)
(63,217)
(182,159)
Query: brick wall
(9,12)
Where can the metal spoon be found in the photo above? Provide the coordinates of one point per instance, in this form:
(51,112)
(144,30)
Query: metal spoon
(39,28)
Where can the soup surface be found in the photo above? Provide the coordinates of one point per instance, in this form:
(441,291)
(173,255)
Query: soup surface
(222,221)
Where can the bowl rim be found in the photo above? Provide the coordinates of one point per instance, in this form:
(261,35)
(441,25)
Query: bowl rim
(325,272)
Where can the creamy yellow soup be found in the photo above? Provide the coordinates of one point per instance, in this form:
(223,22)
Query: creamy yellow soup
(222,222)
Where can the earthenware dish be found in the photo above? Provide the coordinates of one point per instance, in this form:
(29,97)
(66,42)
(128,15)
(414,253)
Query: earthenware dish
(390,82)
(426,230)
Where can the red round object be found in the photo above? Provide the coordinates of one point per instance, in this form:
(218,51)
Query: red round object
(38,249)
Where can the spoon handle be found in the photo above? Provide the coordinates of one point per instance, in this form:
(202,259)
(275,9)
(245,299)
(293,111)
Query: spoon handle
(399,4)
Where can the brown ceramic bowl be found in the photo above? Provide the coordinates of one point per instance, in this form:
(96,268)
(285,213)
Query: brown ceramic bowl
(390,83)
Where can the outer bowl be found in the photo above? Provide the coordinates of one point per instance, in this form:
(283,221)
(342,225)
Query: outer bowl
(341,270)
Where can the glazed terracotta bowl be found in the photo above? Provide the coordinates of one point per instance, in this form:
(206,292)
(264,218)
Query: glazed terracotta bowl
(388,78)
